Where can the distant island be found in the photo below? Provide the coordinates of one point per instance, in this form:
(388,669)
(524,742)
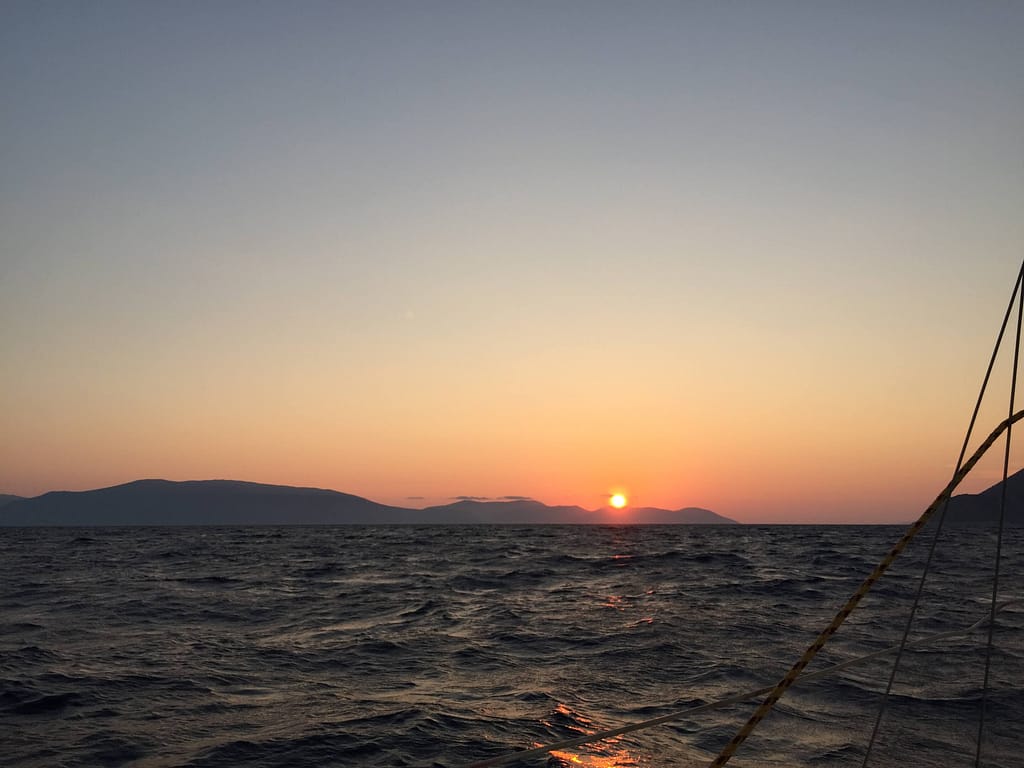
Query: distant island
(233,502)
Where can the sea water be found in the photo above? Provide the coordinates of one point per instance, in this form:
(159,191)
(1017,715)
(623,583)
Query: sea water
(438,646)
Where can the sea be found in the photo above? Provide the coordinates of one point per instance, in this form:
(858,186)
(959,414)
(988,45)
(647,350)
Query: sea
(442,646)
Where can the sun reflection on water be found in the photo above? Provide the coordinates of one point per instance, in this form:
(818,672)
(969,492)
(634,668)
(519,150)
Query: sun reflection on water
(605,754)
(614,759)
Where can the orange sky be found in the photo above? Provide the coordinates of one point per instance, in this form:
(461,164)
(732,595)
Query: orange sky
(719,256)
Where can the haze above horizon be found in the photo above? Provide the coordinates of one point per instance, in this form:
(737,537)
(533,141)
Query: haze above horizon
(744,257)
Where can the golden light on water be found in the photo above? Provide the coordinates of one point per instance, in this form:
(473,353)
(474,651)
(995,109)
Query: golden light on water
(617,760)
(607,753)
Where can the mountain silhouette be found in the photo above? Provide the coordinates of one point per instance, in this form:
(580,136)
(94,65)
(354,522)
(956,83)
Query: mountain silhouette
(196,502)
(978,510)
(691,515)
(233,502)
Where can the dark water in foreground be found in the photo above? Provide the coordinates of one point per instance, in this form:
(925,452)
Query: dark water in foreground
(442,645)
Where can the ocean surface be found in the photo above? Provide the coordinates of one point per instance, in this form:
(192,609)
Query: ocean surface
(440,646)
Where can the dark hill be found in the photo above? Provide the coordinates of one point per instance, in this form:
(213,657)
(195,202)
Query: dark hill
(198,502)
(525,512)
(230,502)
(977,510)
(529,512)
(7,498)
(688,515)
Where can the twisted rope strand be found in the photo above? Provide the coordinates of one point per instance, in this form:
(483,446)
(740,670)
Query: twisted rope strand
(942,513)
(738,698)
(812,650)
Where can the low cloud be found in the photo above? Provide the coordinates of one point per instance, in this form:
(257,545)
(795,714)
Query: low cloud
(516,498)
(472,498)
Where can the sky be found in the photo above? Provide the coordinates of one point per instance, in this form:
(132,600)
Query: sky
(739,255)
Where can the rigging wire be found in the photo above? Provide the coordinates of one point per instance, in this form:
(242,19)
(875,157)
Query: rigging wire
(779,689)
(797,671)
(837,621)
(1017,291)
(739,698)
(999,541)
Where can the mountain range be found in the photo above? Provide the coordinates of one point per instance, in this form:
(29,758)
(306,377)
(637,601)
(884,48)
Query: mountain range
(232,502)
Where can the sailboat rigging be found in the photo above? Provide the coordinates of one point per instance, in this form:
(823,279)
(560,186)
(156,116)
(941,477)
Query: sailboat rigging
(798,671)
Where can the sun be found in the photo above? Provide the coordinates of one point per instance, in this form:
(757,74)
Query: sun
(618,500)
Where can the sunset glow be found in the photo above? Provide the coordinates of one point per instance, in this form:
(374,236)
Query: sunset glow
(377,249)
(413,382)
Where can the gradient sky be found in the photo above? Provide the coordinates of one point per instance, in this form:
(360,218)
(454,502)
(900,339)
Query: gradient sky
(740,255)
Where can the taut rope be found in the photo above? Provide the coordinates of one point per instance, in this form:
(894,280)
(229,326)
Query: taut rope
(942,513)
(738,698)
(812,650)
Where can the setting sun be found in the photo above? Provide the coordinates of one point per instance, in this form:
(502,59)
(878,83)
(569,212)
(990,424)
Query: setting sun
(618,501)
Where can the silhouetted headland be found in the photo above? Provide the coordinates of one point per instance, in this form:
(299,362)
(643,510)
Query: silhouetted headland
(981,510)
(232,502)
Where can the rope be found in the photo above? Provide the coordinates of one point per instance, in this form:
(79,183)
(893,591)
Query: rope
(942,514)
(999,539)
(784,684)
(738,698)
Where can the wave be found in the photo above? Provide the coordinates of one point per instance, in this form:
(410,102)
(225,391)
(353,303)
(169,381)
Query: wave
(380,647)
